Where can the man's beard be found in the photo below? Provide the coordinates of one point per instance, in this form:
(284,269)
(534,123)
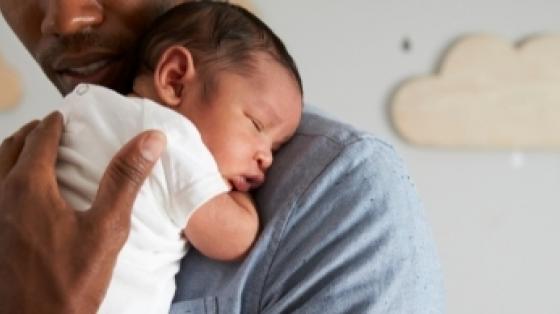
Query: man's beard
(122,48)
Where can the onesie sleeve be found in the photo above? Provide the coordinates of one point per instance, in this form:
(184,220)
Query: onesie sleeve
(190,173)
(195,179)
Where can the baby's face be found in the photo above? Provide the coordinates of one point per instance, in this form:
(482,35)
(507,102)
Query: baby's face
(248,119)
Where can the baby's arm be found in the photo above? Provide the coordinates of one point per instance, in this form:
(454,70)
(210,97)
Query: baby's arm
(225,227)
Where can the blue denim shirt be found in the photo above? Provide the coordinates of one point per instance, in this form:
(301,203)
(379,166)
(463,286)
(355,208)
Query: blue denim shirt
(343,231)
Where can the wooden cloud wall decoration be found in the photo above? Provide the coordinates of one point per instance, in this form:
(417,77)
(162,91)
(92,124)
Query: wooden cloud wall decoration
(10,88)
(488,94)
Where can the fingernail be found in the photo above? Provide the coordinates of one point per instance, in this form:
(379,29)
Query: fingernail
(153,145)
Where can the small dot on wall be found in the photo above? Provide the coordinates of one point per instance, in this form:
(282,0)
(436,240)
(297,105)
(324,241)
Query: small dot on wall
(406,45)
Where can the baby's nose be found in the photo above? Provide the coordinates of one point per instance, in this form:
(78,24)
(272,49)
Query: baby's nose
(265,160)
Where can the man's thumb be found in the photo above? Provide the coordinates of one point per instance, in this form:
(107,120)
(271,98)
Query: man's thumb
(124,176)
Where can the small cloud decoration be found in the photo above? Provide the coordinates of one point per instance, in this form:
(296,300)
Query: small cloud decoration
(10,86)
(488,94)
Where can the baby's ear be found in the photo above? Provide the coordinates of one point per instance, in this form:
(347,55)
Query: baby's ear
(174,71)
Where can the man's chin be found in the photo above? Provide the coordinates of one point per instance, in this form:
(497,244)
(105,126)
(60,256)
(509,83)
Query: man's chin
(115,76)
(63,89)
(67,83)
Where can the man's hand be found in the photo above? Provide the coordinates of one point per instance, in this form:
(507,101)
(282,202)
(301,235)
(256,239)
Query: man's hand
(54,259)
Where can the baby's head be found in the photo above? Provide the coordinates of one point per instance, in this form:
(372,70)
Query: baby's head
(227,72)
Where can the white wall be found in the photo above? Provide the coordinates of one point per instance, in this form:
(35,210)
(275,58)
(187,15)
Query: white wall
(494,222)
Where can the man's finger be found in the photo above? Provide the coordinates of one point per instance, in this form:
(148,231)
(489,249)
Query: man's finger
(11,148)
(40,150)
(124,177)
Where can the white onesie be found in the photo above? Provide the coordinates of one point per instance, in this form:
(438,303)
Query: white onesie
(98,122)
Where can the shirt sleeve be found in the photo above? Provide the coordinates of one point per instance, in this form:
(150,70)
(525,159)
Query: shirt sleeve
(357,243)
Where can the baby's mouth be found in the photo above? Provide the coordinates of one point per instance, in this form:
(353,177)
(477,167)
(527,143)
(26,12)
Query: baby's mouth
(240,184)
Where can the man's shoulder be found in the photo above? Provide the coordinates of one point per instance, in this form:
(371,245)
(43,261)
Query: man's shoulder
(343,200)
(326,151)
(325,144)
(323,153)
(319,129)
(315,123)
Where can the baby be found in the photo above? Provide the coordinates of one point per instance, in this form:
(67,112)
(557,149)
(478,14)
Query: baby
(223,88)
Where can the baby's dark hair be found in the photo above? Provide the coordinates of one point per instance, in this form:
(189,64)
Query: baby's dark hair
(219,35)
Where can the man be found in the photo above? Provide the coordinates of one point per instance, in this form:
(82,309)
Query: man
(343,230)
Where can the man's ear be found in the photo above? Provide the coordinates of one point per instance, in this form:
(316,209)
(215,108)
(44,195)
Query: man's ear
(174,72)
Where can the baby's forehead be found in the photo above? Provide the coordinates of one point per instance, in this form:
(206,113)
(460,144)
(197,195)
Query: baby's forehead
(258,68)
(264,64)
